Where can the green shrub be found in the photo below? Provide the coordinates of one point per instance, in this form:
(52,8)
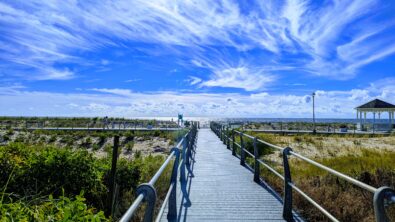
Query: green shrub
(6,138)
(32,172)
(95,147)
(137,154)
(108,149)
(129,146)
(61,209)
(87,142)
(48,170)
(9,132)
(19,139)
(52,139)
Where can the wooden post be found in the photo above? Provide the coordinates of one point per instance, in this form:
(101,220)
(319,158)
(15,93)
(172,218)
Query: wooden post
(111,200)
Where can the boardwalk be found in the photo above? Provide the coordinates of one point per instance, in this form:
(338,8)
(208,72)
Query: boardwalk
(219,189)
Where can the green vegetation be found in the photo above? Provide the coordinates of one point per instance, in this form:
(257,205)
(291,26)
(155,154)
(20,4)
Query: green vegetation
(44,183)
(61,209)
(22,122)
(64,176)
(91,140)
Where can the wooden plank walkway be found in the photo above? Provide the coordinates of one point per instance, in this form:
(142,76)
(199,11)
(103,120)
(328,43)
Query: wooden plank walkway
(220,189)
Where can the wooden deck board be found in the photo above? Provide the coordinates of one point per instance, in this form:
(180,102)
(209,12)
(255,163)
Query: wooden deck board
(219,189)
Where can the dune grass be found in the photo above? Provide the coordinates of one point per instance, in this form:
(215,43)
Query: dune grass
(367,158)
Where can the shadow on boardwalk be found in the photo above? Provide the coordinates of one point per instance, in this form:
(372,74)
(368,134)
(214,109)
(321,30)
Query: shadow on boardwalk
(219,189)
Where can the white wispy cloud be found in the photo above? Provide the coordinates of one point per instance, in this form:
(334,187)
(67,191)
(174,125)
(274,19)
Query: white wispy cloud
(193,80)
(337,35)
(38,35)
(239,77)
(132,80)
(120,92)
(234,74)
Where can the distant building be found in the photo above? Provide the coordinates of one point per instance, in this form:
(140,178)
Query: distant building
(378,107)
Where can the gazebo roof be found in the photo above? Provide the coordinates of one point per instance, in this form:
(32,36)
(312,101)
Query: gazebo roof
(376,104)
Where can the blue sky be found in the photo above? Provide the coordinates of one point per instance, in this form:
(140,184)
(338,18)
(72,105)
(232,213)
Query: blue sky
(201,58)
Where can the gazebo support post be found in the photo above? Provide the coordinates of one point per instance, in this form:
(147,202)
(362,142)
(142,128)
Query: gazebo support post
(360,120)
(374,120)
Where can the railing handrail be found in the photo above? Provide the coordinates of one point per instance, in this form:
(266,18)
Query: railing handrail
(261,141)
(380,194)
(332,171)
(147,193)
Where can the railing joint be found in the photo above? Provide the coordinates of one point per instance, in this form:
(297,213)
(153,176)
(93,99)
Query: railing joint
(149,193)
(383,197)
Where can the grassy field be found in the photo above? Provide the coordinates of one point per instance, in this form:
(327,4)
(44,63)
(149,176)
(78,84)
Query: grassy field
(368,159)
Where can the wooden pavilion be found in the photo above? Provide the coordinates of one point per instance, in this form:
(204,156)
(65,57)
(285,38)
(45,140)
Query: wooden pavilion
(378,107)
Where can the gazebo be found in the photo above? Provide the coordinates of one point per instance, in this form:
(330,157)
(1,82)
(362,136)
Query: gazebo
(376,106)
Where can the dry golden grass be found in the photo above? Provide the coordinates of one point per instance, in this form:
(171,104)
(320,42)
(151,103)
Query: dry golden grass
(368,159)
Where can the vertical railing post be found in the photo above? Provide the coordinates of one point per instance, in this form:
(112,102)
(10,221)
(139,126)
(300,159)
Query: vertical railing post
(382,195)
(172,214)
(228,142)
(183,154)
(220,132)
(225,135)
(242,153)
(189,147)
(287,208)
(256,163)
(233,143)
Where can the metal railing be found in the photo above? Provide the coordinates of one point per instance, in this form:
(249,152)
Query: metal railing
(382,196)
(146,192)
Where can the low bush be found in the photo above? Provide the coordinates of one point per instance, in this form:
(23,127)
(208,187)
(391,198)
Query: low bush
(129,146)
(50,209)
(48,170)
(29,172)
